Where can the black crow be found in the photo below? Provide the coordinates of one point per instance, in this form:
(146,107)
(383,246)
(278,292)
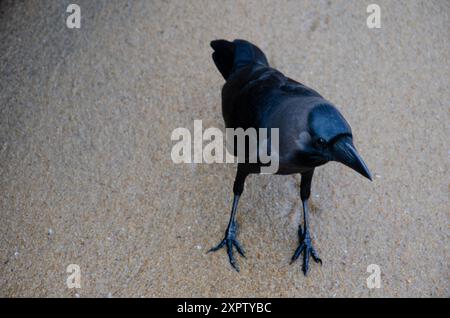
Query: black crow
(311,130)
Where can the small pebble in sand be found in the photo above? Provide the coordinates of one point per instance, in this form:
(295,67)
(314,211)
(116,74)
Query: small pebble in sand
(50,232)
(199,247)
(77,295)
(16,253)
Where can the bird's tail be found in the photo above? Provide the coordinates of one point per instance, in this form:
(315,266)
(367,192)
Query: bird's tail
(229,56)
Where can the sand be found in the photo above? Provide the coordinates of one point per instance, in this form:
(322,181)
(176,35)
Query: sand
(87,178)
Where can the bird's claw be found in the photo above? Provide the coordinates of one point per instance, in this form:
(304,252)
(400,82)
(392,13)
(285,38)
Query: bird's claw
(307,249)
(229,241)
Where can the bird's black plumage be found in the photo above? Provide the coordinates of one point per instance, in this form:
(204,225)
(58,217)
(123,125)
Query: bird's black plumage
(311,130)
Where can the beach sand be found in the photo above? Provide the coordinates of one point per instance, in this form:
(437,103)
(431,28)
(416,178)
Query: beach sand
(86,117)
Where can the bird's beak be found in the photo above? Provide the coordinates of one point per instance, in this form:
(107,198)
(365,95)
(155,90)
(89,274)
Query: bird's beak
(344,152)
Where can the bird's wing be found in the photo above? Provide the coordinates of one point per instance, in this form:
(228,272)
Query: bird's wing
(253,92)
(293,87)
(248,94)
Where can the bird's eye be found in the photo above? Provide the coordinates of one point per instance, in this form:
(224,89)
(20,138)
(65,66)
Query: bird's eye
(320,142)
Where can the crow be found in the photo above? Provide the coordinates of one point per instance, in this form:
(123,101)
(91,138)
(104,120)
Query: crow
(312,131)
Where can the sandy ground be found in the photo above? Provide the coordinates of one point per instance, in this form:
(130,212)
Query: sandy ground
(87,178)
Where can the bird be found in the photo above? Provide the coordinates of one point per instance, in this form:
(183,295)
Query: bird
(311,131)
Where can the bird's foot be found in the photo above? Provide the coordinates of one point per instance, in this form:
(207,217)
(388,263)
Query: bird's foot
(307,249)
(229,241)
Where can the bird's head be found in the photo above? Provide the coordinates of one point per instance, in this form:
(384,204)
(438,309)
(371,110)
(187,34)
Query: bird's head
(331,139)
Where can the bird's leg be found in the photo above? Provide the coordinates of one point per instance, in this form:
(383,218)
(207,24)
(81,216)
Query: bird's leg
(230,234)
(304,236)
